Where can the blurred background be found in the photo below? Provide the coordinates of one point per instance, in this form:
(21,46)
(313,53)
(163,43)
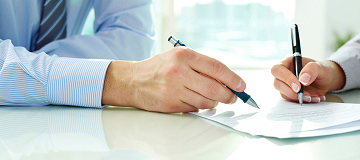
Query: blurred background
(246,34)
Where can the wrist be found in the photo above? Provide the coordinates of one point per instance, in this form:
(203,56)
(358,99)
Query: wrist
(338,74)
(117,84)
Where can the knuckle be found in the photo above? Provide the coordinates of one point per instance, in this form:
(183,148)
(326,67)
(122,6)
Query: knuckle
(172,72)
(205,104)
(217,68)
(230,100)
(289,58)
(313,66)
(288,97)
(288,78)
(182,53)
(291,97)
(283,96)
(274,69)
(168,90)
(173,105)
(277,84)
(235,80)
(213,89)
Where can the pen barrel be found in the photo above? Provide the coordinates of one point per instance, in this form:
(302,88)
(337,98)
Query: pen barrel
(242,95)
(301,89)
(297,67)
(297,63)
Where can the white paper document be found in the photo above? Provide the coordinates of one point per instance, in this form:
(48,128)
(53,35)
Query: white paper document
(287,119)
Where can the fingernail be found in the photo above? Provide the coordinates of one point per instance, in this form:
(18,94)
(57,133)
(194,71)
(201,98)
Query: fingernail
(295,87)
(234,100)
(305,78)
(307,99)
(238,87)
(322,98)
(315,99)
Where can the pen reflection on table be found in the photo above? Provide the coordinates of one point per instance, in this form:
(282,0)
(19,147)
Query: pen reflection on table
(295,40)
(242,95)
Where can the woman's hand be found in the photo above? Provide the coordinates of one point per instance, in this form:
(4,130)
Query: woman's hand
(317,77)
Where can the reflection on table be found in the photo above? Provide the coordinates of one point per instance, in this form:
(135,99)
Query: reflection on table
(63,132)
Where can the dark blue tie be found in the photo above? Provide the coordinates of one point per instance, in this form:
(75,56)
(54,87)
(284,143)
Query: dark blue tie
(53,22)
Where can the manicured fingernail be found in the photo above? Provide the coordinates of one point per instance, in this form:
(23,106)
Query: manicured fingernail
(238,87)
(295,87)
(307,99)
(322,98)
(315,99)
(305,78)
(234,100)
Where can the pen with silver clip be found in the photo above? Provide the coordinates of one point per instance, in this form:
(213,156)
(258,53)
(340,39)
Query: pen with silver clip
(242,95)
(295,40)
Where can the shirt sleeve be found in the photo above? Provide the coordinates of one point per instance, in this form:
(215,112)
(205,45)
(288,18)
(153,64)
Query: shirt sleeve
(29,78)
(348,58)
(124,30)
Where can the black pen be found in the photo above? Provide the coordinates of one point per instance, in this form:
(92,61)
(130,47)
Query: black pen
(242,95)
(295,40)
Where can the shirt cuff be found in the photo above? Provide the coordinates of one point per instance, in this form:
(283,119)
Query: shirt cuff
(351,66)
(77,82)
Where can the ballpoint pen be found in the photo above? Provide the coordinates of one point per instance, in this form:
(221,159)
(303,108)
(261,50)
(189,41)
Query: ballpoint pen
(242,95)
(295,40)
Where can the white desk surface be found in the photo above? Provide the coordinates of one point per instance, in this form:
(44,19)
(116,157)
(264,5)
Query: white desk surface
(127,133)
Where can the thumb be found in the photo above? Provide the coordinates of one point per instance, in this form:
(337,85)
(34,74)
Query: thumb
(311,72)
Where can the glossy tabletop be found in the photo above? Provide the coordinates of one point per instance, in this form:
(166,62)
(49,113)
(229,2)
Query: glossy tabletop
(65,132)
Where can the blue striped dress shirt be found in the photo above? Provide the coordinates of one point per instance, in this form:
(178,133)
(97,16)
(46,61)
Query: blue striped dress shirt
(70,71)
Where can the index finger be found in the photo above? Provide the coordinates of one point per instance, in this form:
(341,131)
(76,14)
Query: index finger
(288,62)
(217,70)
(283,73)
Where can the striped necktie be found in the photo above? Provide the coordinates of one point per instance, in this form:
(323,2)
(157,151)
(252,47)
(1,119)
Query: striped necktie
(53,22)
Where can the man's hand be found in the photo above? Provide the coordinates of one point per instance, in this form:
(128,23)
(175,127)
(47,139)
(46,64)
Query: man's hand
(317,77)
(179,80)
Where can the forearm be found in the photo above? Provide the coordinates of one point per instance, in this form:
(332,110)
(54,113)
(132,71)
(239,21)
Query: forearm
(348,58)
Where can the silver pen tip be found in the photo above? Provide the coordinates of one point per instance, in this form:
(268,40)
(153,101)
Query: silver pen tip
(251,102)
(300,96)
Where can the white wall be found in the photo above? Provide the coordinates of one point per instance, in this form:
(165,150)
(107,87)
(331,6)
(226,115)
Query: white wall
(317,20)
(164,24)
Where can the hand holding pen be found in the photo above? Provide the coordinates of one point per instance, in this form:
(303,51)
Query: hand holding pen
(177,80)
(314,80)
(242,95)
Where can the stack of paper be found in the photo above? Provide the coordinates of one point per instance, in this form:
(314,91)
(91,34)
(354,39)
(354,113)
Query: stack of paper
(287,119)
